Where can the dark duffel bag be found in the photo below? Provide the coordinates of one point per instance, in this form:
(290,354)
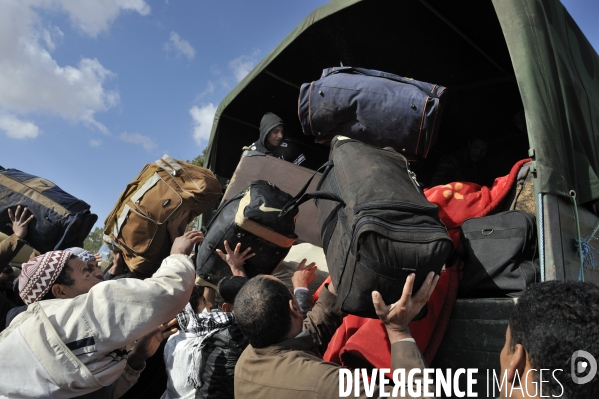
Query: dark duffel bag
(500,255)
(375,107)
(61,220)
(380,229)
(253,219)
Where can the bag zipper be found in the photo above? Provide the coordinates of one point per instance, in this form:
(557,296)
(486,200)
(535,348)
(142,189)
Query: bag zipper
(394,227)
(397,206)
(413,177)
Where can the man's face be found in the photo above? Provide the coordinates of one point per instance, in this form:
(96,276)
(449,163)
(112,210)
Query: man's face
(477,149)
(86,275)
(274,138)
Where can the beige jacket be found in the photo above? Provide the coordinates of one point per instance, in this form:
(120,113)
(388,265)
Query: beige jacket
(63,348)
(294,369)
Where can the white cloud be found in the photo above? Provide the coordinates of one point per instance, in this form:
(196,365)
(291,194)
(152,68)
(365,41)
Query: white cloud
(180,46)
(95,143)
(202,122)
(94,16)
(31,81)
(242,65)
(207,91)
(136,138)
(18,129)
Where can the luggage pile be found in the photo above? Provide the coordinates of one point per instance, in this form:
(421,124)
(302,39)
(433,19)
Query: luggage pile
(376,227)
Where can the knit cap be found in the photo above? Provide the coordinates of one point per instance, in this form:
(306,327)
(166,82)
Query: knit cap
(38,275)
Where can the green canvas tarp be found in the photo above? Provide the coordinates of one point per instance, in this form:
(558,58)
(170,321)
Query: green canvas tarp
(490,54)
(557,71)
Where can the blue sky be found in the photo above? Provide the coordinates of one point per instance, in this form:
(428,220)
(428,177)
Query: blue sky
(92,90)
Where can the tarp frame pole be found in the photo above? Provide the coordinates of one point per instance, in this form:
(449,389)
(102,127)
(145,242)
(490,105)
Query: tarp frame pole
(277,77)
(462,34)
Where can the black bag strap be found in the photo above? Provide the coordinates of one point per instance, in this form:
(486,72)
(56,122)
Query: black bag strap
(386,75)
(328,168)
(302,197)
(328,227)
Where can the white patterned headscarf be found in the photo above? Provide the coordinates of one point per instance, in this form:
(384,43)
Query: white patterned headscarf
(203,326)
(82,254)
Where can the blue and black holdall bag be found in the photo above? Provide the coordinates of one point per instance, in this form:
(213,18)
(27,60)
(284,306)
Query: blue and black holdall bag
(377,108)
(61,220)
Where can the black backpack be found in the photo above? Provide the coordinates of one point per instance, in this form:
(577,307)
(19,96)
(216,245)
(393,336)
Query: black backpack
(377,227)
(500,255)
(252,218)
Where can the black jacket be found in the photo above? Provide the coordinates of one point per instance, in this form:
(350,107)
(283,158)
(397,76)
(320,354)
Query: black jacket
(221,353)
(287,151)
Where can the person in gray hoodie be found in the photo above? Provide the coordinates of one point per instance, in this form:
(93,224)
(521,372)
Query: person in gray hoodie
(273,142)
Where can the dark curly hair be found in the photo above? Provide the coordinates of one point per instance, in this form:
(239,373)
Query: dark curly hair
(551,321)
(262,311)
(196,294)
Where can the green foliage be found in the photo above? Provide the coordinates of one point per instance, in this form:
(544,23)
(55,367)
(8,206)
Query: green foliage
(199,160)
(93,241)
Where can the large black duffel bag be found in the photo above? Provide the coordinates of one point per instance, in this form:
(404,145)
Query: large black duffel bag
(253,219)
(501,255)
(61,220)
(381,229)
(375,107)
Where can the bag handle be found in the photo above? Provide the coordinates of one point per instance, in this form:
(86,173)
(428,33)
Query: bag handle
(302,197)
(384,75)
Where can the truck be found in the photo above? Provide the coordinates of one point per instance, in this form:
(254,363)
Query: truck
(499,59)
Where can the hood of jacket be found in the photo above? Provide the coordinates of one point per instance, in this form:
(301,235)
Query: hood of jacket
(269,120)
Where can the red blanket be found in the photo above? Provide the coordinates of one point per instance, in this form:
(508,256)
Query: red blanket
(362,342)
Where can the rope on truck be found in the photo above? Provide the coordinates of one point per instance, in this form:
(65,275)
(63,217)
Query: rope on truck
(582,246)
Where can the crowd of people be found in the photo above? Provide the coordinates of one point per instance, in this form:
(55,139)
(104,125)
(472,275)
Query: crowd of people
(73,330)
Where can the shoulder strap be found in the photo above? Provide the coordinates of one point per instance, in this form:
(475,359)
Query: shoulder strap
(302,197)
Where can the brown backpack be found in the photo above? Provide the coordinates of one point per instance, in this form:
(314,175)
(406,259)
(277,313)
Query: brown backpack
(163,189)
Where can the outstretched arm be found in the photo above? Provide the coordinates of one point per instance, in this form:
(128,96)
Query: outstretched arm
(301,278)
(153,300)
(404,352)
(144,348)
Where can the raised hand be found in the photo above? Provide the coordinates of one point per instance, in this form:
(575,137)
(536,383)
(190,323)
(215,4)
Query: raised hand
(304,275)
(19,221)
(184,244)
(236,259)
(397,316)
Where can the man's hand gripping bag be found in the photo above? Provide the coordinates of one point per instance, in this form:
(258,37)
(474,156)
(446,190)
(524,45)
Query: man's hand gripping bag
(253,219)
(161,192)
(379,229)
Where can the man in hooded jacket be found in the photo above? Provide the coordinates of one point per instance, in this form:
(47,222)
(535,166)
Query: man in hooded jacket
(273,142)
